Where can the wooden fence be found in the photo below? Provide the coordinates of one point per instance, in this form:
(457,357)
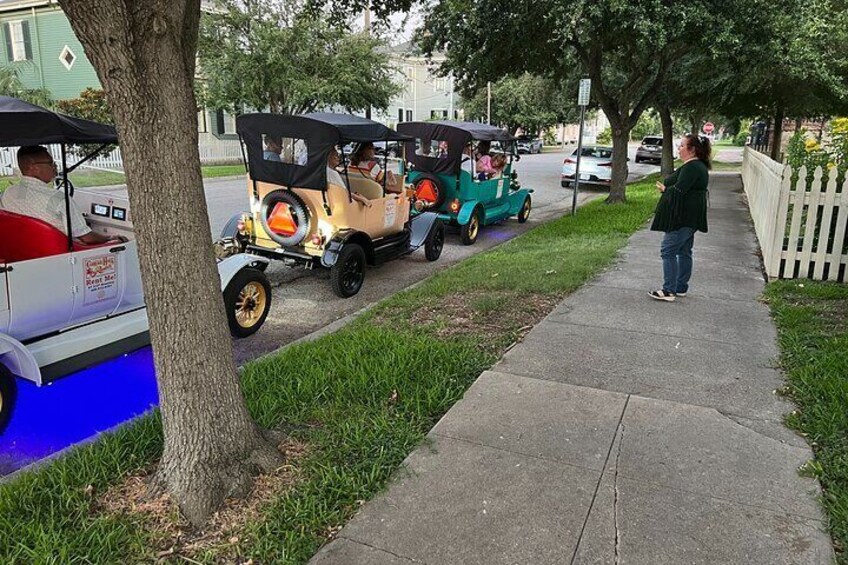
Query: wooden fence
(801,222)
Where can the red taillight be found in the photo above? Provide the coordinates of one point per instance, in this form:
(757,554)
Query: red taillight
(605,164)
(569,161)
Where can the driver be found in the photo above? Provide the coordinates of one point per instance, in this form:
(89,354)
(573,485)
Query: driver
(36,197)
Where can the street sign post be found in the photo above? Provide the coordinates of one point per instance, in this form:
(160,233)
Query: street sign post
(582,101)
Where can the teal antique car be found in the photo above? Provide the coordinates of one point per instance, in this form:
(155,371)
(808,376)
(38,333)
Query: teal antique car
(452,177)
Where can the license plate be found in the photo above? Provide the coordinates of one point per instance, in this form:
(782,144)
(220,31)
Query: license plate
(584,177)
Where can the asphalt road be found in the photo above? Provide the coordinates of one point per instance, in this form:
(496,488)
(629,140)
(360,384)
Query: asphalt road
(303,301)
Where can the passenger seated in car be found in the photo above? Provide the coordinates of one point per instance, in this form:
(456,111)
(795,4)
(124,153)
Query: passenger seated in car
(273,148)
(334,177)
(498,164)
(36,197)
(484,160)
(362,161)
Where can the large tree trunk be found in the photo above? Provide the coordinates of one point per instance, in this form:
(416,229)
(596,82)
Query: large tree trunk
(667,166)
(144,53)
(777,134)
(620,137)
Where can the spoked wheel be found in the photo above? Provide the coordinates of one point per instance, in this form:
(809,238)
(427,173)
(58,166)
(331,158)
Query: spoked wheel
(471,229)
(435,241)
(348,273)
(8,393)
(524,213)
(248,301)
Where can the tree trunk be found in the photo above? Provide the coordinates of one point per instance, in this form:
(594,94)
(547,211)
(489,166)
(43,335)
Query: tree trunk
(798,123)
(620,137)
(144,54)
(693,125)
(667,166)
(777,134)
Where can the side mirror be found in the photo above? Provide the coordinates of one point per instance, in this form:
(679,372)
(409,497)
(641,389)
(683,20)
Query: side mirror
(628,158)
(517,157)
(514,175)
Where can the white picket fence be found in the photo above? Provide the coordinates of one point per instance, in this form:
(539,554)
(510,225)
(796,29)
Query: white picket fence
(210,153)
(802,227)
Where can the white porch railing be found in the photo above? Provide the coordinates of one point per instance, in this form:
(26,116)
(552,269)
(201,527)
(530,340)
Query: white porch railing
(802,229)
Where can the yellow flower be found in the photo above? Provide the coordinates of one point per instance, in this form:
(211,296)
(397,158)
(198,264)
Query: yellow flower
(811,145)
(831,165)
(840,125)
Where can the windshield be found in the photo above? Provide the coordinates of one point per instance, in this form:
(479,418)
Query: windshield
(652,141)
(597,152)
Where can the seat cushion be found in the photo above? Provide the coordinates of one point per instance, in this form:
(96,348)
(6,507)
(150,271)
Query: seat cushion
(23,238)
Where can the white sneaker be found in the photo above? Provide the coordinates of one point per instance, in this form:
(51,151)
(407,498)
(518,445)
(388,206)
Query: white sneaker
(661,295)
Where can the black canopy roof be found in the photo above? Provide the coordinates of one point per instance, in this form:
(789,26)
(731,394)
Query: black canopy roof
(320,131)
(22,123)
(456,134)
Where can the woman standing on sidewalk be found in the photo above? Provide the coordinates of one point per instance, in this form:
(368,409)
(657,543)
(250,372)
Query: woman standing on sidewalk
(681,211)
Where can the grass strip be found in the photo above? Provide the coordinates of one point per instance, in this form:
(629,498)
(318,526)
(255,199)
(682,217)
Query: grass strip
(812,324)
(361,399)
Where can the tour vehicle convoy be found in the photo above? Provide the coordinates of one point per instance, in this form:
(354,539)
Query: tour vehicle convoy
(307,213)
(64,305)
(443,172)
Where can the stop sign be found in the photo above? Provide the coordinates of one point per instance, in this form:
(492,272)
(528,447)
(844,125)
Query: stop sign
(708,127)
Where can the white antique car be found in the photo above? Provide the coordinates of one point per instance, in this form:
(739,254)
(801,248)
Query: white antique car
(66,306)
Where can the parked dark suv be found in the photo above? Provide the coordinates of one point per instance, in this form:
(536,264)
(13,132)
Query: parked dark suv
(650,149)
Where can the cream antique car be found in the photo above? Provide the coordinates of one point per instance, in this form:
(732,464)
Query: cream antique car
(307,214)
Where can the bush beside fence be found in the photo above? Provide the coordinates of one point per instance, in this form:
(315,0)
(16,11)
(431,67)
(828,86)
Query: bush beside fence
(800,221)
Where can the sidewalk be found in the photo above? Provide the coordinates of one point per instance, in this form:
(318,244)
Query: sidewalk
(621,430)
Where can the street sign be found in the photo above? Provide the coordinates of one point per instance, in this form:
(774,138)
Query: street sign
(708,128)
(585,89)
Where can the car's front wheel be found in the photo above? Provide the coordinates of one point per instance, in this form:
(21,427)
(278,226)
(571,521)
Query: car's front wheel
(524,213)
(248,300)
(8,395)
(435,241)
(348,272)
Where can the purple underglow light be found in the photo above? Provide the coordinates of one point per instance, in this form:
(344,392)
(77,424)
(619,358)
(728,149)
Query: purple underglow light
(50,418)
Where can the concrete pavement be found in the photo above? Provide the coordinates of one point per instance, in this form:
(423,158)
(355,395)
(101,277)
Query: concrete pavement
(621,430)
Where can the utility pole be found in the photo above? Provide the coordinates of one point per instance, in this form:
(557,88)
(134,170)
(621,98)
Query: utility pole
(450,111)
(489,102)
(367,25)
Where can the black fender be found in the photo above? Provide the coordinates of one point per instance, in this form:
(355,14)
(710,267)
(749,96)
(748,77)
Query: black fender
(231,228)
(340,239)
(420,226)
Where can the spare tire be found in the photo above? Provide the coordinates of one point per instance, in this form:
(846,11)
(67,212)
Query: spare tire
(430,191)
(285,217)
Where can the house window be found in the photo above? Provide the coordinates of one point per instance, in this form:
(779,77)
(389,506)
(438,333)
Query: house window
(440,84)
(229,124)
(438,114)
(18,44)
(67,57)
(400,114)
(409,115)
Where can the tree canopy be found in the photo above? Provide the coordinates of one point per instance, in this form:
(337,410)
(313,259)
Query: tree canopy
(277,54)
(528,102)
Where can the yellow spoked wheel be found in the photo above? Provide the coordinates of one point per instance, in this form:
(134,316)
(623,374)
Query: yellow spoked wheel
(471,230)
(248,301)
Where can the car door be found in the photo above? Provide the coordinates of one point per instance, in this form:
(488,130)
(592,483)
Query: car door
(41,295)
(99,276)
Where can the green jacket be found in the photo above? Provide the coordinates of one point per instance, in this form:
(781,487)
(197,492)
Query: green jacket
(684,202)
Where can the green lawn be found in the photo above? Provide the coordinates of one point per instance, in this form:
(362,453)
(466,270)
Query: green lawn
(812,323)
(359,400)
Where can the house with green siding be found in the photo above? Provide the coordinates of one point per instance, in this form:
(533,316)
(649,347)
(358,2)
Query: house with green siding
(38,41)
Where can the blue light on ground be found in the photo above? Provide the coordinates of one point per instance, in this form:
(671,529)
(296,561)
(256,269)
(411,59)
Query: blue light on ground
(50,418)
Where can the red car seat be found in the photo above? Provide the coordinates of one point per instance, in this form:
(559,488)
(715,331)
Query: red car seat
(23,238)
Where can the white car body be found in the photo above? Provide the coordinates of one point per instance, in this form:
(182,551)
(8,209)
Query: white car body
(595,166)
(63,312)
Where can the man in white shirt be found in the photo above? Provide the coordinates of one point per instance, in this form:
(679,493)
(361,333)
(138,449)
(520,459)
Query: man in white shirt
(36,197)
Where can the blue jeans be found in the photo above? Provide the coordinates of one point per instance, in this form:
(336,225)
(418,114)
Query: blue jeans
(676,253)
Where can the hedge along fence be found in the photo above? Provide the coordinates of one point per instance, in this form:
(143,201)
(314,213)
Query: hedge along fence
(801,220)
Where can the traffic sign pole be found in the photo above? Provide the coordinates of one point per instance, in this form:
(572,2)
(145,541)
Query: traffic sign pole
(582,101)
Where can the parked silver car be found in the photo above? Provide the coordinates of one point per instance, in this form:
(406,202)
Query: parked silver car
(651,149)
(595,166)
